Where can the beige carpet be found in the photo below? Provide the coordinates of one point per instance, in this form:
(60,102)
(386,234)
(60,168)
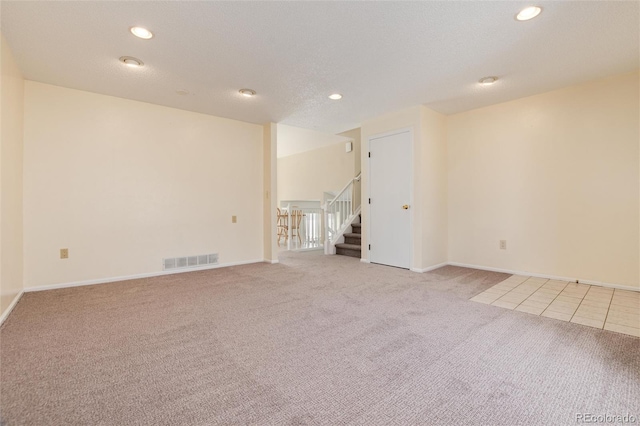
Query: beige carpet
(314,340)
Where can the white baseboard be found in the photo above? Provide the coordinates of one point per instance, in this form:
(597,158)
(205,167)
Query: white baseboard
(550,277)
(430,268)
(363,260)
(272,262)
(12,305)
(137,276)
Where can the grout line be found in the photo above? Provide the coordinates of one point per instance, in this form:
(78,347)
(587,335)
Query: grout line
(608,309)
(608,306)
(554,299)
(559,294)
(579,304)
(534,292)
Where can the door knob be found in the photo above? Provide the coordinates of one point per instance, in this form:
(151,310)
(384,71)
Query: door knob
(406,206)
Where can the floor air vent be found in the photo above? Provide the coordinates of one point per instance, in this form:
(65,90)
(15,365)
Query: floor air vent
(190,261)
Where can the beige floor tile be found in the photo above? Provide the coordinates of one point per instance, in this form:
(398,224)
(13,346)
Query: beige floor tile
(600,301)
(626,296)
(534,284)
(567,299)
(514,296)
(590,305)
(629,300)
(629,321)
(523,291)
(598,295)
(530,309)
(503,304)
(557,282)
(548,291)
(623,301)
(596,323)
(557,315)
(536,303)
(626,322)
(627,293)
(542,297)
(562,307)
(622,329)
(625,314)
(504,286)
(545,290)
(555,291)
(595,309)
(576,294)
(583,313)
(483,298)
(555,285)
(578,286)
(602,290)
(509,284)
(595,303)
(618,308)
(494,290)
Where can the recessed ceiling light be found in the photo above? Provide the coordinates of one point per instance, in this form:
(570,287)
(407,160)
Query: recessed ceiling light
(141,32)
(528,13)
(488,81)
(335,96)
(247,92)
(130,61)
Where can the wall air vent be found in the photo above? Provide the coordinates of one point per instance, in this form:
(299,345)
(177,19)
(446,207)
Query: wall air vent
(190,261)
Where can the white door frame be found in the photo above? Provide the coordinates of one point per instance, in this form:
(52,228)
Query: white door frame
(411,193)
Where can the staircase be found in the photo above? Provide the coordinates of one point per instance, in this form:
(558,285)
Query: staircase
(352,245)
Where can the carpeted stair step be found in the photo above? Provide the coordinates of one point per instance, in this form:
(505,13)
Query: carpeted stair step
(352,250)
(353,238)
(357,228)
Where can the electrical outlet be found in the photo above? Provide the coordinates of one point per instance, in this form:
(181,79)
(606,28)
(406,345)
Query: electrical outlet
(64,253)
(234,219)
(503,244)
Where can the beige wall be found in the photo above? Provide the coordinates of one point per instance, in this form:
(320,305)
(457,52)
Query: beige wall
(433,182)
(429,181)
(124,184)
(354,135)
(269,191)
(406,118)
(11,151)
(306,176)
(557,176)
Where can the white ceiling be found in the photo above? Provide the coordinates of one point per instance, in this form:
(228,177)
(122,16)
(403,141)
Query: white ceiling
(382,56)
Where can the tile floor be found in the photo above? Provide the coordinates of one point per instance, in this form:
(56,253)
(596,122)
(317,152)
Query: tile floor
(590,305)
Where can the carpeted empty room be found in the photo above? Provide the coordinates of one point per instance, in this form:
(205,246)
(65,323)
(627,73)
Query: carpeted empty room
(313,340)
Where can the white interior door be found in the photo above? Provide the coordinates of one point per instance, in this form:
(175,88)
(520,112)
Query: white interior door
(390,192)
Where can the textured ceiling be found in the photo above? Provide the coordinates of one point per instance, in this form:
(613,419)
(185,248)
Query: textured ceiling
(382,56)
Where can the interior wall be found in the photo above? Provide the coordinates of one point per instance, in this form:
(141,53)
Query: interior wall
(557,176)
(354,134)
(11,162)
(307,175)
(270,191)
(434,188)
(406,118)
(123,184)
